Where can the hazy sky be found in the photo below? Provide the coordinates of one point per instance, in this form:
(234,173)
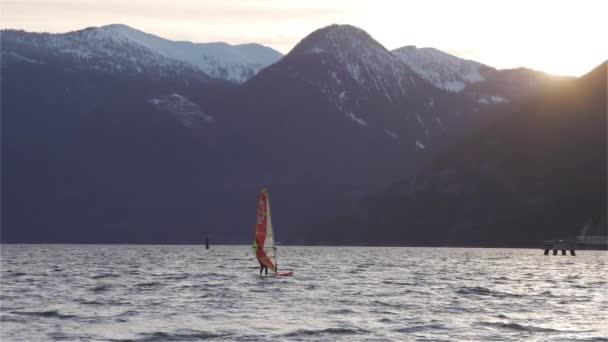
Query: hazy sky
(560,37)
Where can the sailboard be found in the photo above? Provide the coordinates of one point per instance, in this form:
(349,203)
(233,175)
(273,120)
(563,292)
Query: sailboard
(263,244)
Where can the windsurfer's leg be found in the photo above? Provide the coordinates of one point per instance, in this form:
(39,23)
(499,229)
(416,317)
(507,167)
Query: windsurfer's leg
(261,268)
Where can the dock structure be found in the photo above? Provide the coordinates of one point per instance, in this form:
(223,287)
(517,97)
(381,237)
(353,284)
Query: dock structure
(556,245)
(586,242)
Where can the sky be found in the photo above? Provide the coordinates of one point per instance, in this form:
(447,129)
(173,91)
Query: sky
(558,37)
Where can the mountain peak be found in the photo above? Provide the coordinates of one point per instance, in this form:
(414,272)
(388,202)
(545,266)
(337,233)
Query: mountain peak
(118,27)
(337,39)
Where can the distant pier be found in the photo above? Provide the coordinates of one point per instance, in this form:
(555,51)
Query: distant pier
(586,242)
(557,245)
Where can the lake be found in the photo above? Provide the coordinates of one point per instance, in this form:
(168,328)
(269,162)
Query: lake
(187,293)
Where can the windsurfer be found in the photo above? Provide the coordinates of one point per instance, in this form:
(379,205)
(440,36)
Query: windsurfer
(263,268)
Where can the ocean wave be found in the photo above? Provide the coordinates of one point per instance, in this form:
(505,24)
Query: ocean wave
(483,291)
(5,318)
(340,311)
(419,328)
(594,339)
(101,288)
(519,327)
(46,314)
(176,276)
(179,335)
(90,302)
(391,305)
(392,282)
(148,285)
(105,275)
(336,331)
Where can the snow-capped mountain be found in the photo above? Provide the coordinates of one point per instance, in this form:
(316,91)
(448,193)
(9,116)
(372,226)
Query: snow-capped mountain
(484,84)
(368,86)
(219,60)
(111,129)
(443,70)
(122,48)
(93,50)
(356,65)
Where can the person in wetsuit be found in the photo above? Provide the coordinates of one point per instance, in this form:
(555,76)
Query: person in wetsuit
(263,268)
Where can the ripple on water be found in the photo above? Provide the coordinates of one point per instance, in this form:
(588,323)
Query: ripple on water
(101,288)
(483,291)
(46,314)
(421,328)
(148,285)
(340,312)
(327,331)
(519,327)
(105,275)
(179,335)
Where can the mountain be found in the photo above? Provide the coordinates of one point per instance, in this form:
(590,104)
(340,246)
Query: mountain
(483,83)
(123,48)
(538,174)
(443,70)
(103,141)
(337,117)
(361,85)
(108,136)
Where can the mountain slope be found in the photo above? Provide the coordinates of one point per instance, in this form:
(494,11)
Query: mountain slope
(219,60)
(538,174)
(104,149)
(107,139)
(338,116)
(443,70)
(483,83)
(123,48)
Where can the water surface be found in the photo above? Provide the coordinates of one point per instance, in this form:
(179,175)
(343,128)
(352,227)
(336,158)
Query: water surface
(187,293)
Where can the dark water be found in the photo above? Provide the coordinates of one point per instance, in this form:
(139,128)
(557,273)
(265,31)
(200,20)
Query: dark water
(187,293)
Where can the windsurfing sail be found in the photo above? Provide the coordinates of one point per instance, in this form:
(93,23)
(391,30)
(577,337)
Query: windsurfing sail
(263,245)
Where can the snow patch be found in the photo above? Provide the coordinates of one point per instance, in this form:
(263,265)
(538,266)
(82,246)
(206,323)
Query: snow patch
(391,134)
(492,99)
(25,59)
(315,51)
(185,111)
(356,119)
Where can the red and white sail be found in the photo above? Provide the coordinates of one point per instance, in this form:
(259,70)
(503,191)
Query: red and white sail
(263,245)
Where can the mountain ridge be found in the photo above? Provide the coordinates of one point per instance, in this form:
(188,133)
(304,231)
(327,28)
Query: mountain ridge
(235,63)
(514,183)
(112,149)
